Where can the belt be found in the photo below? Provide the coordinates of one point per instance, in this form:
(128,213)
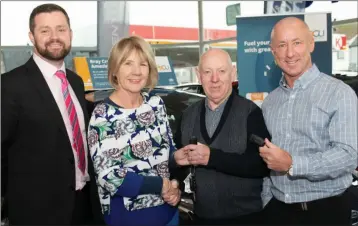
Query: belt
(304,205)
(301,205)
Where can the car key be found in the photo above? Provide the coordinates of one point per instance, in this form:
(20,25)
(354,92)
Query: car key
(193,140)
(257,140)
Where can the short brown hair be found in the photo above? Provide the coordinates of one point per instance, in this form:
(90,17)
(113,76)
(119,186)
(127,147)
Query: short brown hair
(122,50)
(46,8)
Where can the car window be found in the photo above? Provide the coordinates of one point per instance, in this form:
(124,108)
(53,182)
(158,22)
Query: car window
(201,90)
(187,88)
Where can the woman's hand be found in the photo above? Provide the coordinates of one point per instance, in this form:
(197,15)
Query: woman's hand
(171,192)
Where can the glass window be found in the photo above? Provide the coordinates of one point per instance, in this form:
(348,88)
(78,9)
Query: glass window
(83,22)
(2,66)
(184,60)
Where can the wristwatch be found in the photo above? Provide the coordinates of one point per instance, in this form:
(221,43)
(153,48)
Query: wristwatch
(290,171)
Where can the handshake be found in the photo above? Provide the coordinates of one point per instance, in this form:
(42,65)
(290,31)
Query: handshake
(171,192)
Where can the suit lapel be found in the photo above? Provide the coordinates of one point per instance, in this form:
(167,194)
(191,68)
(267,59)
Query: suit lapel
(39,82)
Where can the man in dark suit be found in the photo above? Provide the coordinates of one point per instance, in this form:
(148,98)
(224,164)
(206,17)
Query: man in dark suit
(43,132)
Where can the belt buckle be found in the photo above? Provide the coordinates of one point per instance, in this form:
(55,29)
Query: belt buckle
(304,206)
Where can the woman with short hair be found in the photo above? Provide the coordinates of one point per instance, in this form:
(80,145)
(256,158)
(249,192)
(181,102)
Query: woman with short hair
(130,142)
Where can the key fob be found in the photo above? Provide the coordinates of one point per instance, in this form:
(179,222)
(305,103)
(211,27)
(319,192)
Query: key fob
(193,140)
(257,140)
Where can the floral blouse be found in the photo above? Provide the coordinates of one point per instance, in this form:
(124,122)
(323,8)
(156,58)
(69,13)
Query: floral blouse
(129,140)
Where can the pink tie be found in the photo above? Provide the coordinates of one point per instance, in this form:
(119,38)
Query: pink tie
(76,131)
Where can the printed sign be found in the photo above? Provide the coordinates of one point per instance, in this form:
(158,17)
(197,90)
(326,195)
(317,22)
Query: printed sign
(98,67)
(93,71)
(318,25)
(257,70)
(163,64)
(339,42)
(167,75)
(257,98)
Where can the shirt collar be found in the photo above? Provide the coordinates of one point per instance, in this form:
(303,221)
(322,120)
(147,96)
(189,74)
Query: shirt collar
(47,69)
(220,107)
(304,80)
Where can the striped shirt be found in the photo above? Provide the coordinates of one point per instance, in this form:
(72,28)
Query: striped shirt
(316,122)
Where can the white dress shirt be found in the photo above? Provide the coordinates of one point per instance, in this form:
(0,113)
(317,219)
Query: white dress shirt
(54,83)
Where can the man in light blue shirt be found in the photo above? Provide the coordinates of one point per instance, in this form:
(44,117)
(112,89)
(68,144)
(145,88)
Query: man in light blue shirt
(312,118)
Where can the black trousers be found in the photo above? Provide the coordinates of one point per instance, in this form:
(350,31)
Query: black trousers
(329,211)
(82,214)
(249,219)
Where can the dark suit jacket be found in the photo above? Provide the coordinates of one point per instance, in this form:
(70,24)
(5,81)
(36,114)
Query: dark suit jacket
(40,187)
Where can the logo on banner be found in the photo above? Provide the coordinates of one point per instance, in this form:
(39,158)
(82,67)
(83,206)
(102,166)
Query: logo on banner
(318,25)
(341,43)
(163,68)
(163,64)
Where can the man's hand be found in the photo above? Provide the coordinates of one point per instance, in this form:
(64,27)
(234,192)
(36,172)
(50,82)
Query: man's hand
(275,158)
(181,157)
(171,192)
(199,154)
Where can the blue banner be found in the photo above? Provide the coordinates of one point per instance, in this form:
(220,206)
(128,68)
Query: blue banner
(167,76)
(257,71)
(98,70)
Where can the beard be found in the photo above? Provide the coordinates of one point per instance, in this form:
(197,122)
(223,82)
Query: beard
(54,55)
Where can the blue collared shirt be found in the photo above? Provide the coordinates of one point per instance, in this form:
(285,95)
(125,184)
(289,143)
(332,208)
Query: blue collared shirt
(316,122)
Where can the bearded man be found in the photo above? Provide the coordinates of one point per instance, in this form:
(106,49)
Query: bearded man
(43,131)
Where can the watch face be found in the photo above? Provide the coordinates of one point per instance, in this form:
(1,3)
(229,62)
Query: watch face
(290,171)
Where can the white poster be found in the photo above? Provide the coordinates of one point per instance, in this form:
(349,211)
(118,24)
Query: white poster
(318,25)
(163,64)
